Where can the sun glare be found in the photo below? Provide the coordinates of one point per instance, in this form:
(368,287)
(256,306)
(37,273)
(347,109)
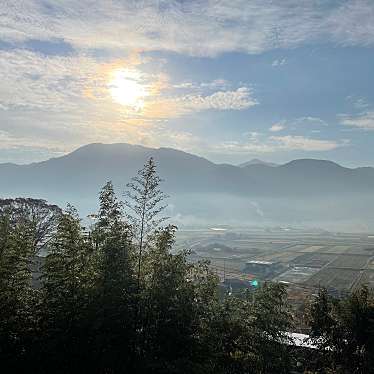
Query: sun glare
(126,90)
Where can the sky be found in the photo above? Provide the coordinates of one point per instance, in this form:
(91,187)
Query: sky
(228,80)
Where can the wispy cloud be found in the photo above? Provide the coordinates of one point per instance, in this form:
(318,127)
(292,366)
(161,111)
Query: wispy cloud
(308,123)
(279,62)
(257,144)
(351,23)
(364,120)
(302,143)
(277,127)
(358,102)
(240,99)
(200,86)
(59,102)
(29,80)
(193,27)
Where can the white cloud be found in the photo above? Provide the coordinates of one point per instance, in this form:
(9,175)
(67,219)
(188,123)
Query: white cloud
(252,147)
(239,99)
(309,121)
(30,80)
(277,127)
(258,145)
(64,84)
(352,23)
(60,102)
(277,62)
(202,86)
(301,143)
(191,27)
(358,102)
(363,120)
(45,101)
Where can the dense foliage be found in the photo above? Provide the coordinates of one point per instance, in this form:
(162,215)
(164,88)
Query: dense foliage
(114,299)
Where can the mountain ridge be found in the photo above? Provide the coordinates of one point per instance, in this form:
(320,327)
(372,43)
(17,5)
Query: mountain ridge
(298,191)
(256,161)
(252,162)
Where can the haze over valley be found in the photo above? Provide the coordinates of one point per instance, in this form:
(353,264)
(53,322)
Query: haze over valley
(187,186)
(306,193)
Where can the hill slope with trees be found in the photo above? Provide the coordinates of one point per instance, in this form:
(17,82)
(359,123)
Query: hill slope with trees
(112,298)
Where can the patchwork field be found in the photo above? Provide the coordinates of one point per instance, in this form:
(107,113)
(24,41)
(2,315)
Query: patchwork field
(350,261)
(335,278)
(306,259)
(296,275)
(315,260)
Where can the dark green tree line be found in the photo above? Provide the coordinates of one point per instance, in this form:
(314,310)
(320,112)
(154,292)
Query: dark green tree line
(115,298)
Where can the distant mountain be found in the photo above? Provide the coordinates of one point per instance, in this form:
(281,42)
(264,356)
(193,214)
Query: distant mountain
(256,161)
(308,192)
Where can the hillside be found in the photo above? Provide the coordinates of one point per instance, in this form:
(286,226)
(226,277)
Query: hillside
(298,192)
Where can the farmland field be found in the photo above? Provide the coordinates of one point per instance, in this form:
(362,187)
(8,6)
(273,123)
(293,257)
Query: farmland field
(308,259)
(296,275)
(314,259)
(339,249)
(337,279)
(312,248)
(350,261)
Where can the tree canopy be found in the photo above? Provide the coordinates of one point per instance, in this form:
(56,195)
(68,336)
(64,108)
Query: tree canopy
(92,314)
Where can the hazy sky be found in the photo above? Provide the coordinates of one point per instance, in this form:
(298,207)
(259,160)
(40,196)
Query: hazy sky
(230,80)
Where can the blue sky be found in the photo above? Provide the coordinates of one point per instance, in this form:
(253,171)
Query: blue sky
(228,80)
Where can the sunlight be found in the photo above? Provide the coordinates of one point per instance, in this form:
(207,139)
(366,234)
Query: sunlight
(126,90)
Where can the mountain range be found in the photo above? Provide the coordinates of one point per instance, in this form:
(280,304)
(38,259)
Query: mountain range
(256,161)
(302,192)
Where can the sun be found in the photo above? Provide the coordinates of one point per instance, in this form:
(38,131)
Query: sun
(126,90)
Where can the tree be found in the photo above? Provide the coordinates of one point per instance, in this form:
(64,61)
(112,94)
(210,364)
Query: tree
(68,284)
(114,303)
(269,319)
(41,218)
(247,333)
(144,202)
(16,295)
(169,312)
(343,331)
(113,238)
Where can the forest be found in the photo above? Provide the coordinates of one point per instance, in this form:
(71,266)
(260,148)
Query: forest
(112,297)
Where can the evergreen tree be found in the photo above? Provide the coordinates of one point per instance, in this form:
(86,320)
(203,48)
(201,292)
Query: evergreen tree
(169,313)
(343,331)
(118,298)
(16,295)
(247,334)
(269,319)
(144,202)
(68,285)
(115,302)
